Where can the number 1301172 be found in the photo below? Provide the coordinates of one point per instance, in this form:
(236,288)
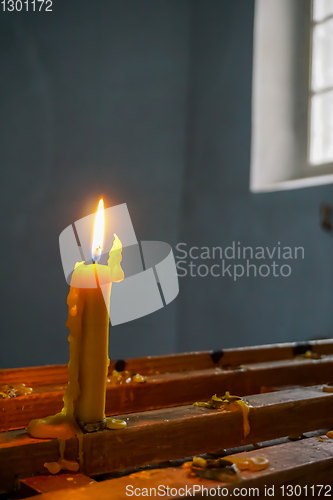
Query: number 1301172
(26,5)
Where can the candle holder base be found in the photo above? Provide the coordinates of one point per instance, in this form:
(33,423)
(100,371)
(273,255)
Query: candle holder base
(93,426)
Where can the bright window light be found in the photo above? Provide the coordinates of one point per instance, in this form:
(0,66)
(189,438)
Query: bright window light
(321,129)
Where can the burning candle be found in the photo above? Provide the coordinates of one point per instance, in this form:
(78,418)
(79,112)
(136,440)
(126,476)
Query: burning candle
(88,322)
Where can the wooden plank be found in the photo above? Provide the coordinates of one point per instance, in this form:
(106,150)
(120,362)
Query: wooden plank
(171,433)
(58,374)
(289,465)
(63,481)
(171,389)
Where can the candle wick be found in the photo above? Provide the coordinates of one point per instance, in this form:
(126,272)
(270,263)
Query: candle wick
(96,275)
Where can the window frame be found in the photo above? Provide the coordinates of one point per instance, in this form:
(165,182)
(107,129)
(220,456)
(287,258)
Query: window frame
(271,168)
(325,167)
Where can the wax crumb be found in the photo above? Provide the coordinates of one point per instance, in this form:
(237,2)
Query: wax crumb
(70,479)
(216,402)
(329,434)
(125,377)
(320,439)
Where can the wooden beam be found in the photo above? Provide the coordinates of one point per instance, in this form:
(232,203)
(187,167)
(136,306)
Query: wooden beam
(163,390)
(171,433)
(289,465)
(58,374)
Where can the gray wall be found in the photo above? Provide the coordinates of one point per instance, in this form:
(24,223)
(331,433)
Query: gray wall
(147,103)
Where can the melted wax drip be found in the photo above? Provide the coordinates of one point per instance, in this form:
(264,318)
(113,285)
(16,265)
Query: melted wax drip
(217,403)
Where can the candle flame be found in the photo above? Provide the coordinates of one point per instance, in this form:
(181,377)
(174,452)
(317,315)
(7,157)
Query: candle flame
(98,238)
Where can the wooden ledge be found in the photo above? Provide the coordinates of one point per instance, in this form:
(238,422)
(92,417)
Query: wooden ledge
(175,388)
(171,433)
(289,465)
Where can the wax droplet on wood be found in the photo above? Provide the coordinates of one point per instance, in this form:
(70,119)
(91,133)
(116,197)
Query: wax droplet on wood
(112,423)
(251,463)
(242,463)
(62,464)
(258,463)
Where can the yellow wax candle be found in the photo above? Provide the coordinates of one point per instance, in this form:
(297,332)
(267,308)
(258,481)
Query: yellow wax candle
(88,323)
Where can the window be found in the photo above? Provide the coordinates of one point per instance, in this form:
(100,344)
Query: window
(292,100)
(321,96)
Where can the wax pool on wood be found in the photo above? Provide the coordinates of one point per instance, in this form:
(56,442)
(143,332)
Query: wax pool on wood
(12,391)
